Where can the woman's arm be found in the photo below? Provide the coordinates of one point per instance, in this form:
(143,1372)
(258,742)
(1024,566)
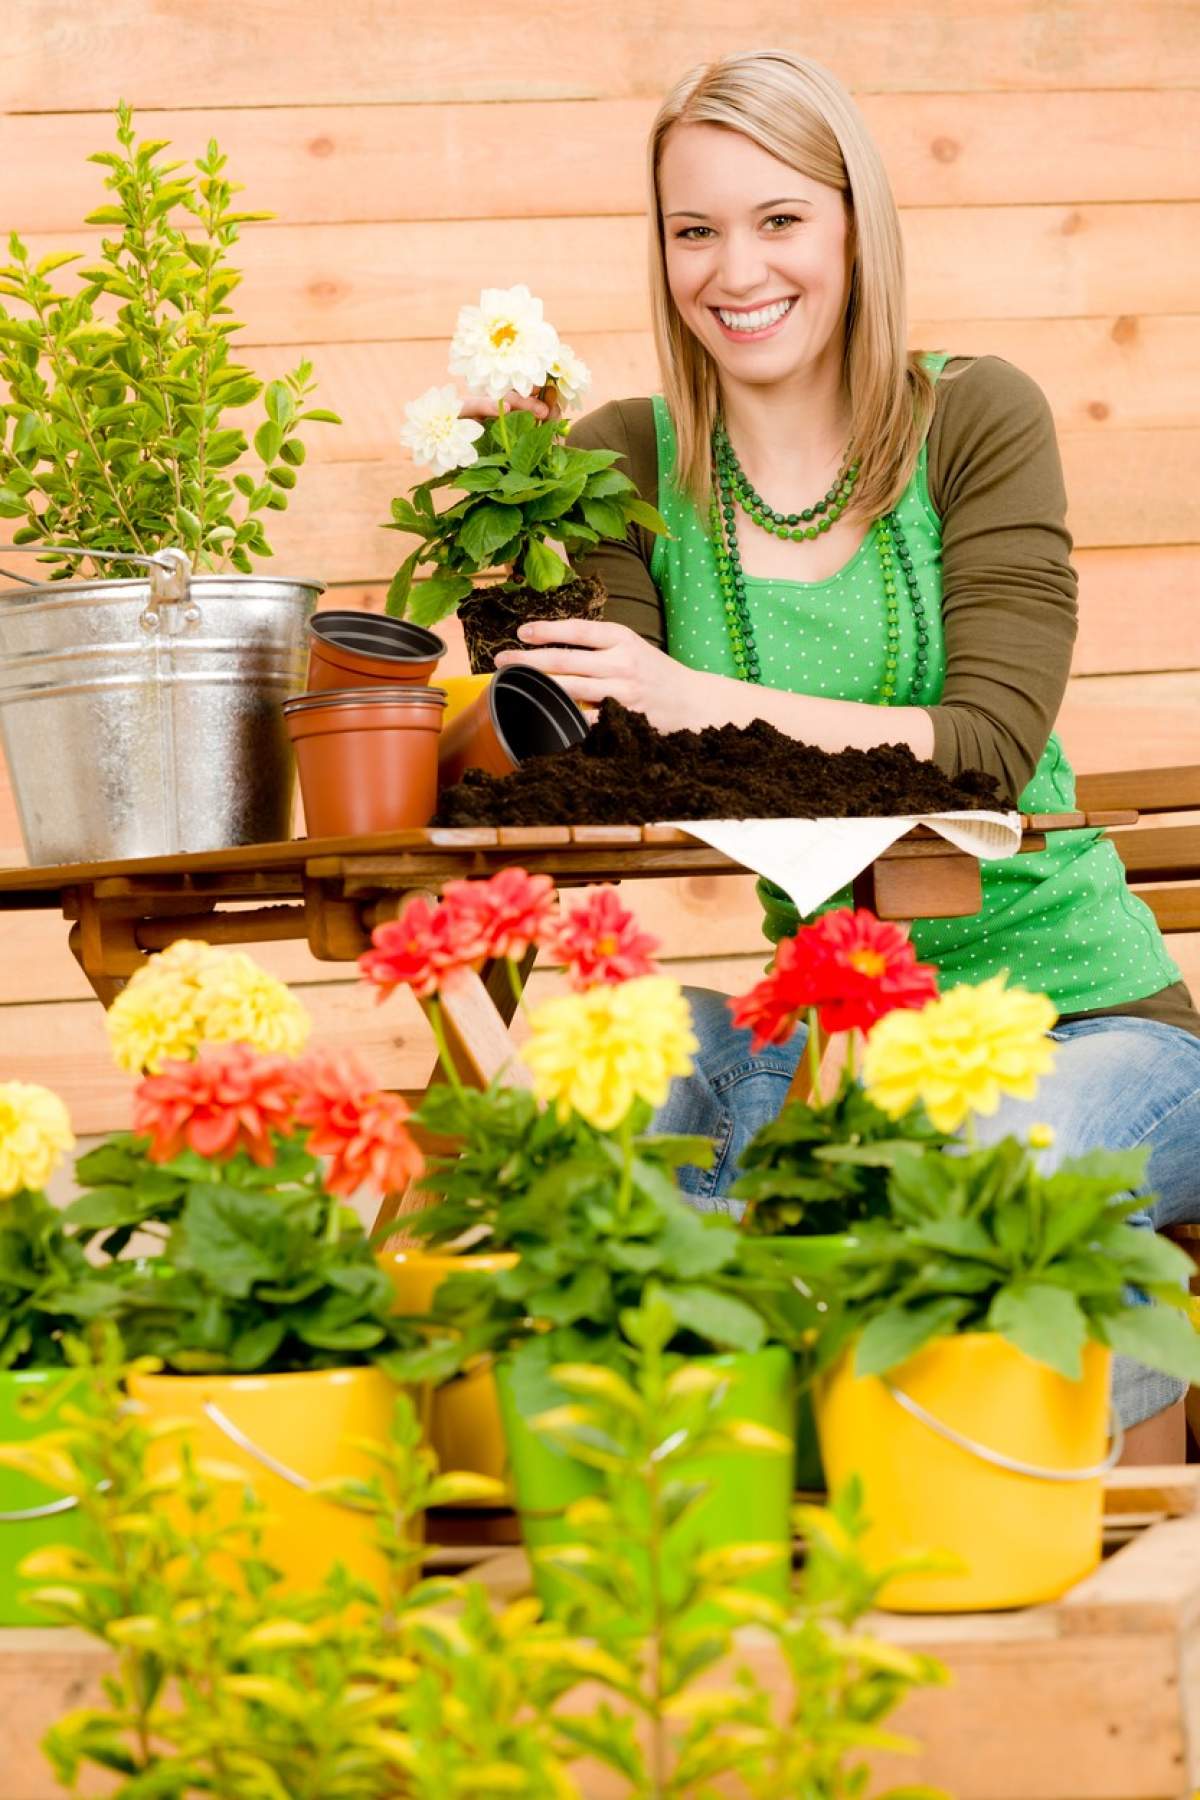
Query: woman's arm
(624,655)
(1009,593)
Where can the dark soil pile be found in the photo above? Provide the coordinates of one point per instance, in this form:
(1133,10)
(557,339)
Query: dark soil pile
(491,615)
(626,773)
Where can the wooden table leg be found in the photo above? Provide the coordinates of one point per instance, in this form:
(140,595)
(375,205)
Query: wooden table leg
(475,1018)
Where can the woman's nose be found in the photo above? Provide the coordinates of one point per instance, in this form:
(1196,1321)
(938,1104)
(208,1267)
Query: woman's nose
(743,266)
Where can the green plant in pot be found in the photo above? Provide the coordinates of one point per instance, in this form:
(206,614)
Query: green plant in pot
(264,1305)
(126,451)
(47,1291)
(584,1206)
(969,1328)
(527,495)
(839,975)
(123,418)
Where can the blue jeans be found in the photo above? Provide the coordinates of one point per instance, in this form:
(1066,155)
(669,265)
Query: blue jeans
(1118,1084)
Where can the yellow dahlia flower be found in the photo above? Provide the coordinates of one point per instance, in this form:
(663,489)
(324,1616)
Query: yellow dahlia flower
(599,1051)
(194,994)
(241,1003)
(35,1131)
(960,1053)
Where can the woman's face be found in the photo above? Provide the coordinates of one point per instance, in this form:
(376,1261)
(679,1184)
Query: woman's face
(757,255)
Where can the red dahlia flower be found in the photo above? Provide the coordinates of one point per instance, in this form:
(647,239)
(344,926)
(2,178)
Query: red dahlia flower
(362,1131)
(870,969)
(599,941)
(423,949)
(230,1098)
(505,915)
(849,965)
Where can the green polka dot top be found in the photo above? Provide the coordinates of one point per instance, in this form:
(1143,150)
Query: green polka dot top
(1060,920)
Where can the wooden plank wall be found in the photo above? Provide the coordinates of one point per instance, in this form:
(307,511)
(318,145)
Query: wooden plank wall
(1046,158)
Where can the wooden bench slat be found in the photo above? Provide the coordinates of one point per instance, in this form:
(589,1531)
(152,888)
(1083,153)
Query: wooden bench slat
(1175,908)
(1162,853)
(1149,790)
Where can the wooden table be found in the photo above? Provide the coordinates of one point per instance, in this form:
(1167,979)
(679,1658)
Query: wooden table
(334,891)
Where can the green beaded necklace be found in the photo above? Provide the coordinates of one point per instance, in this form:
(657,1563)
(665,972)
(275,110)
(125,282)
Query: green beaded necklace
(731,489)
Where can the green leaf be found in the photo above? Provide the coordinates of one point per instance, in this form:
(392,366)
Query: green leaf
(235,1238)
(1157,1336)
(282,476)
(57,258)
(11,505)
(279,403)
(432,599)
(485,528)
(405,517)
(322,415)
(604,516)
(292,451)
(642,513)
(722,1320)
(267,441)
(400,584)
(1047,1323)
(893,1336)
(542,568)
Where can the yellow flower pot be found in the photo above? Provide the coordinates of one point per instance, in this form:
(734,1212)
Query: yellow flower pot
(465,1429)
(276,1427)
(1020,1538)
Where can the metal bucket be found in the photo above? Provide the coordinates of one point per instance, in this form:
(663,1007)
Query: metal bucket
(143,717)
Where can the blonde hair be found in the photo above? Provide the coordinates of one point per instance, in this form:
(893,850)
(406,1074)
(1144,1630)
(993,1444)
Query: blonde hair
(799,113)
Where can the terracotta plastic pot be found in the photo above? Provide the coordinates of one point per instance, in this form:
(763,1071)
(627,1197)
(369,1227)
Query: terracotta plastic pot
(359,649)
(973,1449)
(367,758)
(465,1430)
(289,1434)
(521,713)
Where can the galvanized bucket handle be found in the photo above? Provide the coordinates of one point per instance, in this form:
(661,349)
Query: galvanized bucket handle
(236,1435)
(1011,1464)
(170,573)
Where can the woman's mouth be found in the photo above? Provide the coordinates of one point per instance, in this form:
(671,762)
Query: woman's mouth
(753,322)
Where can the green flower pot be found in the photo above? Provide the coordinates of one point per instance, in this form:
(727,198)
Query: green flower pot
(749,1498)
(31,1516)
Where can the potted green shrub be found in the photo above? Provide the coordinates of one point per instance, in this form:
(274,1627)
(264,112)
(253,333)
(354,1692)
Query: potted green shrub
(585,1209)
(126,463)
(524,489)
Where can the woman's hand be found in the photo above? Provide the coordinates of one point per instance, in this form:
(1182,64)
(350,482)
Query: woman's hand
(478,406)
(596,660)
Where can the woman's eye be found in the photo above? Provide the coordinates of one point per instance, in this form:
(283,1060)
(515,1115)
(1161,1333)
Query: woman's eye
(778,221)
(693,233)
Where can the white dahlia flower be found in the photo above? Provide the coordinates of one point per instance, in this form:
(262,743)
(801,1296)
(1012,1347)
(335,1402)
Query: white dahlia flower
(570,375)
(435,433)
(503,343)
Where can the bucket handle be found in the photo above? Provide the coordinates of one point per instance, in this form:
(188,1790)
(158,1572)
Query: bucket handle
(1011,1464)
(236,1435)
(170,571)
(51,1510)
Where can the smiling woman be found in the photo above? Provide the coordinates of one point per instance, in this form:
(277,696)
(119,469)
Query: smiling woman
(867,546)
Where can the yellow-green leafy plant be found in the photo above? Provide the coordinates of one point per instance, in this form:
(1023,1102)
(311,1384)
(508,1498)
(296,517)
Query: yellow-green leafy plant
(223,1684)
(121,428)
(687,1702)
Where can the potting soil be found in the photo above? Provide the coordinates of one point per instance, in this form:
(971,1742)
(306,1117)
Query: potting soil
(626,773)
(491,616)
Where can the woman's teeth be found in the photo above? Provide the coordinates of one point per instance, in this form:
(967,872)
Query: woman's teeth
(754,321)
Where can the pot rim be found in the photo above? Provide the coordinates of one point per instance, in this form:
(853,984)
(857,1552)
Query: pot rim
(342,1376)
(82,590)
(373,624)
(409,695)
